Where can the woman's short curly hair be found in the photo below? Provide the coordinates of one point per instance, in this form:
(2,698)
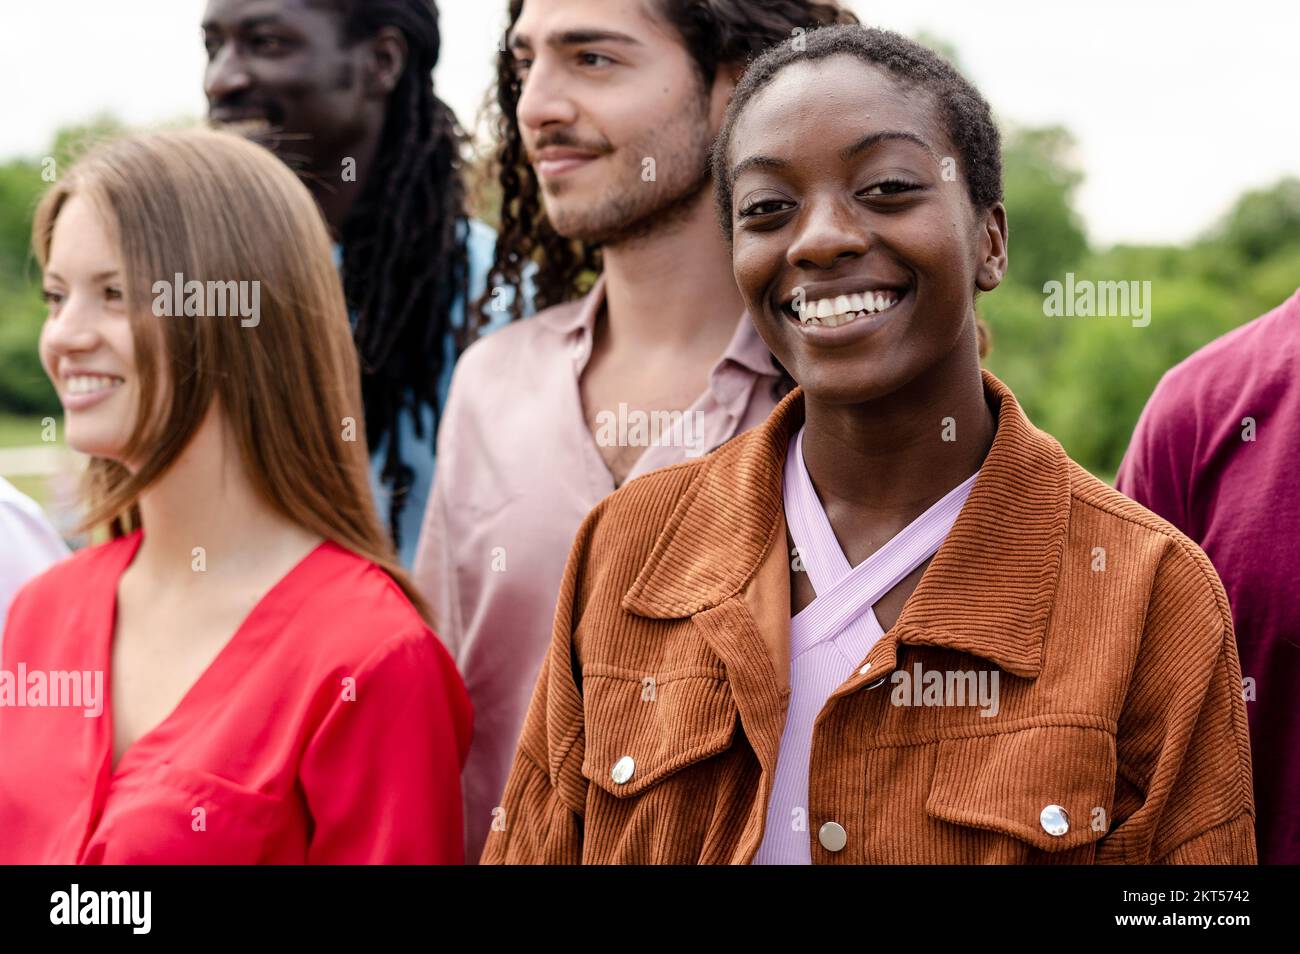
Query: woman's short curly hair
(964,112)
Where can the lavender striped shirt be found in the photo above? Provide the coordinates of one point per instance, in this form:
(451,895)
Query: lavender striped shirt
(830,637)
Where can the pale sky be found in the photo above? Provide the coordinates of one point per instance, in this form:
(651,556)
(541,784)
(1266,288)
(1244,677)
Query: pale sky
(1178,105)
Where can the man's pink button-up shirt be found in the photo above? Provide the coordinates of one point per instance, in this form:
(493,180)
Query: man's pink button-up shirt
(518,470)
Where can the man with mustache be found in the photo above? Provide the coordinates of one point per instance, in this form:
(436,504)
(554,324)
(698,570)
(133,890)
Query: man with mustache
(342,90)
(644,355)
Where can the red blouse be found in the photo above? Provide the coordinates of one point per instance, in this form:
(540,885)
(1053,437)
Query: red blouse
(332,728)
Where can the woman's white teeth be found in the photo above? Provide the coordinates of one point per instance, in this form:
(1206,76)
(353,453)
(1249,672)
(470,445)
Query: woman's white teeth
(844,308)
(89,383)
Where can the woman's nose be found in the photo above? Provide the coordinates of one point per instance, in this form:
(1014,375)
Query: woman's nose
(75,328)
(828,233)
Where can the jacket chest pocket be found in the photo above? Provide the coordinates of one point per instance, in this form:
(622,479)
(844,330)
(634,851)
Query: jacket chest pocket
(642,728)
(1038,794)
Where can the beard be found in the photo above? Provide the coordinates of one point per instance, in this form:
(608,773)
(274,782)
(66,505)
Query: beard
(633,208)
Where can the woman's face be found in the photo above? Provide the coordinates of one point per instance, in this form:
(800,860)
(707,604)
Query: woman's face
(856,246)
(86,344)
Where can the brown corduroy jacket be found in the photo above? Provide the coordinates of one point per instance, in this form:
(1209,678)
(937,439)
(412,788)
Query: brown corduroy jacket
(1120,729)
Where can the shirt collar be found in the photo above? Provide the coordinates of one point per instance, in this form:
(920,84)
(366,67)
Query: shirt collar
(988,591)
(749,350)
(745,348)
(579,315)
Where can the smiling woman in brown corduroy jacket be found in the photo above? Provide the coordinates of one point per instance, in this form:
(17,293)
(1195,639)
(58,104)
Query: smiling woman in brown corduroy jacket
(1044,672)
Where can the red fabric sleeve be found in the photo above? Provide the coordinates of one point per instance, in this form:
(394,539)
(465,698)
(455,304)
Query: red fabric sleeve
(381,774)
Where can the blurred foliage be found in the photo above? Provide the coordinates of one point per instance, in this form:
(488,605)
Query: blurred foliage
(1039,182)
(24,388)
(1261,219)
(1084,380)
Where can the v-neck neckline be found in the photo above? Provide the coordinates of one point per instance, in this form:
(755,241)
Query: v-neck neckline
(228,649)
(852,576)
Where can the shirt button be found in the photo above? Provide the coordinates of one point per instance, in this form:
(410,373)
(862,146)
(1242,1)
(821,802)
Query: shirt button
(863,670)
(623,769)
(1055,820)
(832,836)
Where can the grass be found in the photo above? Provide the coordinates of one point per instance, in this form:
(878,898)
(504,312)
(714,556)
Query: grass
(33,487)
(25,431)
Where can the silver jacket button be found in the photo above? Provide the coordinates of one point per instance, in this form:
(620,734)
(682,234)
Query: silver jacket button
(832,836)
(1055,820)
(623,770)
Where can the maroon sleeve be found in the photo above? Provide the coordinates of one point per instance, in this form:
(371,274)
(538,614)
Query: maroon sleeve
(1157,468)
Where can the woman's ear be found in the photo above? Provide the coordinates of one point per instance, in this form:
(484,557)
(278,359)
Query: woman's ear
(385,59)
(993,245)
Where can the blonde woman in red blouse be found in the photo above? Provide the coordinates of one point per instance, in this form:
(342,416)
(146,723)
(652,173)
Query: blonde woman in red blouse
(242,673)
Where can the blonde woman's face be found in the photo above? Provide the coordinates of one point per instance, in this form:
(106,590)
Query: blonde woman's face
(86,344)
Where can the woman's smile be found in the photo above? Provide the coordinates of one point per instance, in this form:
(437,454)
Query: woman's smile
(847,311)
(84,389)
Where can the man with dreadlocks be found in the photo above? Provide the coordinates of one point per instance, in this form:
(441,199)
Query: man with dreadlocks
(607,113)
(343,91)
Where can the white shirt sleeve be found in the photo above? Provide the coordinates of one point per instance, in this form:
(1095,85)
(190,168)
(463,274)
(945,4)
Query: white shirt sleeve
(28,544)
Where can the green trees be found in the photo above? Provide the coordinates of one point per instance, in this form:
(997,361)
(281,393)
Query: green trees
(1086,380)
(1039,181)
(23,386)
(1262,222)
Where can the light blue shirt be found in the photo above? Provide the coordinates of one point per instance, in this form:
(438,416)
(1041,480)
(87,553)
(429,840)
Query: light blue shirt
(419,453)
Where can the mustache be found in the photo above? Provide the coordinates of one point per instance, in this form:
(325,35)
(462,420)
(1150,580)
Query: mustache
(244,106)
(566,140)
(293,149)
(262,122)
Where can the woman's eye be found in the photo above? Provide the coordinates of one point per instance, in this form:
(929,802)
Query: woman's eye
(50,297)
(587,58)
(113,294)
(763,207)
(520,67)
(888,187)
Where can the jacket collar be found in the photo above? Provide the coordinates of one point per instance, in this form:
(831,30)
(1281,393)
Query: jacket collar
(988,591)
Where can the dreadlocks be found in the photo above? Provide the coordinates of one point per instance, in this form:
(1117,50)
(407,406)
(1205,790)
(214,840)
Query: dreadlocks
(404,258)
(716,32)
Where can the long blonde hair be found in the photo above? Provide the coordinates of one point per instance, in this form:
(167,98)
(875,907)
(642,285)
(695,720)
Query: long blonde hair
(212,206)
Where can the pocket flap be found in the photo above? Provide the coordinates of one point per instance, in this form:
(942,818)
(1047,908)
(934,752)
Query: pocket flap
(641,728)
(1050,786)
